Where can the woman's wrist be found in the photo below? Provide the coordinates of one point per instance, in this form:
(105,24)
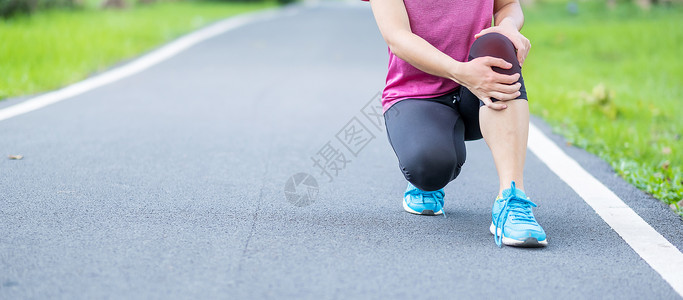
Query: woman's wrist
(509,22)
(455,71)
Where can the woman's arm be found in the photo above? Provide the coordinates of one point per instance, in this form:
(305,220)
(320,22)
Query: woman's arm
(476,75)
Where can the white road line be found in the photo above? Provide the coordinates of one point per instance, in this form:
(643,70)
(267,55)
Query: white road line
(658,252)
(139,64)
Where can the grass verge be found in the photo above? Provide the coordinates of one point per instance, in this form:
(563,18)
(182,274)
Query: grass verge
(53,48)
(611,81)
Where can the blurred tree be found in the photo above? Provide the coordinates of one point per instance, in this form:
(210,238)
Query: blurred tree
(118,4)
(644,4)
(9,8)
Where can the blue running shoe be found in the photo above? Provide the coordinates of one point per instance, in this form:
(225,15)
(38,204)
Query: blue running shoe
(514,223)
(419,202)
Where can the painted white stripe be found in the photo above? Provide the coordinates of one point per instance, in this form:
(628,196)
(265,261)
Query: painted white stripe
(140,64)
(658,252)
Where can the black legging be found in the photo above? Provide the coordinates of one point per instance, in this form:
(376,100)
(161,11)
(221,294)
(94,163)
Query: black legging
(428,135)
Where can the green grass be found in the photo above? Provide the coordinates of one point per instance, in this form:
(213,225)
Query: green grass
(53,48)
(612,83)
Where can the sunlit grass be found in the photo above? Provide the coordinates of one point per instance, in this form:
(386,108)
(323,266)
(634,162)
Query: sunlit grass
(53,48)
(612,82)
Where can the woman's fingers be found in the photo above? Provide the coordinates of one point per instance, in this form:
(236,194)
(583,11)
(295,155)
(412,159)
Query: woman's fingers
(501,63)
(523,46)
(487,83)
(506,79)
(493,105)
(507,88)
(503,96)
(497,62)
(483,32)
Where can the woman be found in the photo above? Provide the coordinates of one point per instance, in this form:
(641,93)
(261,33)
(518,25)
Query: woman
(446,97)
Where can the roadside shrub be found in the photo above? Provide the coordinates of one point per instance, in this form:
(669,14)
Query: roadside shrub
(281,2)
(9,8)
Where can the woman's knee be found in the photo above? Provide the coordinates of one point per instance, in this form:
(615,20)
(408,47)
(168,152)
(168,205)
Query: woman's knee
(496,45)
(432,172)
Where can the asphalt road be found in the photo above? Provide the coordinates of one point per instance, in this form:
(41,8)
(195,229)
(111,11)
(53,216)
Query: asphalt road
(170,184)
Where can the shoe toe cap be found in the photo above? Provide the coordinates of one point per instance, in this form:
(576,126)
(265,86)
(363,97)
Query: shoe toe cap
(525,232)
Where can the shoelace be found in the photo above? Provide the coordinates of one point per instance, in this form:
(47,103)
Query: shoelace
(519,207)
(436,195)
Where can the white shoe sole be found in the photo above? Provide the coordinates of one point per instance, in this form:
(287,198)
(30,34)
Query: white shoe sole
(529,242)
(426,212)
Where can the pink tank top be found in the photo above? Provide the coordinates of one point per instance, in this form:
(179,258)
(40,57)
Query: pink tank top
(450,26)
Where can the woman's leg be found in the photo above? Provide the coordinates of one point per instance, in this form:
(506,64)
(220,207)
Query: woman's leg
(505,131)
(428,139)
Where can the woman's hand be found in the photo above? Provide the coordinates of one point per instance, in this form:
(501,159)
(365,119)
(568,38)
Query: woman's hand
(478,76)
(508,28)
